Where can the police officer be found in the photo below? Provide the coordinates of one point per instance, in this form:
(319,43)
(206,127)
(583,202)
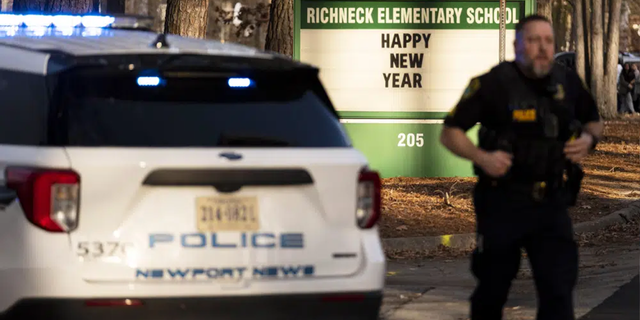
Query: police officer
(537,120)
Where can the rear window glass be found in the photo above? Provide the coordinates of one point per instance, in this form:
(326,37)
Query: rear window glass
(196,111)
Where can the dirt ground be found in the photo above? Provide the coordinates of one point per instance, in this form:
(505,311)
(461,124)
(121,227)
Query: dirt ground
(625,233)
(414,207)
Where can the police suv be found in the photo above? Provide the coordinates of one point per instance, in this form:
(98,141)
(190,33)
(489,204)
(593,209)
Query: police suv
(147,176)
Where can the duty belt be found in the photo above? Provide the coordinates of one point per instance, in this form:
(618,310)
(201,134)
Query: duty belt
(539,190)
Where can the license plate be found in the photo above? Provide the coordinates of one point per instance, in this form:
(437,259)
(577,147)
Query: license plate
(227,214)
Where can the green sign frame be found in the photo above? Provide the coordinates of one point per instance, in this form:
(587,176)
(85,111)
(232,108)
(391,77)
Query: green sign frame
(404,143)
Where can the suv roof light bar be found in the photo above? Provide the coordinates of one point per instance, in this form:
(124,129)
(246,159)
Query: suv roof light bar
(66,21)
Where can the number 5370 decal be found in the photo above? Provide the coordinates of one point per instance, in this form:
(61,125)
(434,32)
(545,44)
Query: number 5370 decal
(102,249)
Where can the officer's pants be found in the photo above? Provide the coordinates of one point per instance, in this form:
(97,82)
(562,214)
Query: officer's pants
(507,221)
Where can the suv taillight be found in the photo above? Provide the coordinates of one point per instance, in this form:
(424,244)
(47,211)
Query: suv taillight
(368,209)
(49,198)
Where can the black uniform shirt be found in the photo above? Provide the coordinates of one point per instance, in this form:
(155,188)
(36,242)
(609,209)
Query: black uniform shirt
(485,100)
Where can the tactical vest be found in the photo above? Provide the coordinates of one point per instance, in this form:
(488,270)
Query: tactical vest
(540,124)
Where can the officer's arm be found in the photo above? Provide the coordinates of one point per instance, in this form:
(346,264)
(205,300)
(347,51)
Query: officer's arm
(595,129)
(587,112)
(464,116)
(456,140)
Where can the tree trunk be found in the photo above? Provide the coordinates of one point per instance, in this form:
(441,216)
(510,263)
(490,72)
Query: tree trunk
(187,18)
(137,7)
(280,30)
(609,109)
(625,34)
(634,42)
(580,43)
(573,36)
(115,6)
(586,25)
(28,5)
(605,19)
(159,9)
(545,8)
(69,6)
(6,5)
(563,25)
(54,6)
(567,13)
(597,65)
(558,24)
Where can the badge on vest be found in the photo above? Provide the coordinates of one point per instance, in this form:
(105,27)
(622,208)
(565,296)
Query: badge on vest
(559,93)
(524,115)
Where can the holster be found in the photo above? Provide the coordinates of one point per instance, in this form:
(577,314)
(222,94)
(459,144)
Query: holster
(575,174)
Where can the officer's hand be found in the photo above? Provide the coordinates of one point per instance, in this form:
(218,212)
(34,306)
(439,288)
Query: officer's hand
(496,163)
(578,149)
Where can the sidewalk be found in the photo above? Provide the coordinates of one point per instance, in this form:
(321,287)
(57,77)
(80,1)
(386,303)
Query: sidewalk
(622,305)
(439,289)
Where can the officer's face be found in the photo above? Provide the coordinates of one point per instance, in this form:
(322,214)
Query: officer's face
(535,47)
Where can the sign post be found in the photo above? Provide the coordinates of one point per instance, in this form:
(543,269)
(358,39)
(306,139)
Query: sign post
(395,69)
(503,27)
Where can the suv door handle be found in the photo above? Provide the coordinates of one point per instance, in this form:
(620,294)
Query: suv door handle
(6,196)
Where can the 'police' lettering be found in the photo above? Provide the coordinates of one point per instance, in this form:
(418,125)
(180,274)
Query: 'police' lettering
(193,240)
(262,244)
(159,237)
(228,241)
(525,115)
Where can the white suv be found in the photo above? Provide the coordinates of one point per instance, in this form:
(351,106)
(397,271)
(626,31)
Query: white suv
(145,176)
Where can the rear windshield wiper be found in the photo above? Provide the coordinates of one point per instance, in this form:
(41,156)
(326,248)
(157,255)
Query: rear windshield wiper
(250,141)
(199,59)
(204,62)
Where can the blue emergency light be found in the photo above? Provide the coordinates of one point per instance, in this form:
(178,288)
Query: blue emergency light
(153,81)
(149,81)
(55,21)
(239,82)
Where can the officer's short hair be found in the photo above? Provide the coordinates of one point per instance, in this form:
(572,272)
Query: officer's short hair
(530,18)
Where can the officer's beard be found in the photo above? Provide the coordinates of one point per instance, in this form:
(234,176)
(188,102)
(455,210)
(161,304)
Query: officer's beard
(540,72)
(534,70)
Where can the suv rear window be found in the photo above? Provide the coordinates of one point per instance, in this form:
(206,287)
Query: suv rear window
(283,109)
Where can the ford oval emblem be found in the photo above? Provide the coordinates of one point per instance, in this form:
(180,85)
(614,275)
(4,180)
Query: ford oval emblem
(231,155)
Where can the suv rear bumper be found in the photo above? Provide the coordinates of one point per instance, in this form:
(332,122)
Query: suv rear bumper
(352,306)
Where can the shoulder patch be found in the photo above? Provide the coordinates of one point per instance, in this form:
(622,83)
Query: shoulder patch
(469,91)
(472,88)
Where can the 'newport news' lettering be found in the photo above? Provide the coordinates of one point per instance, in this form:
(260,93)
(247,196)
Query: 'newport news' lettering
(225,273)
